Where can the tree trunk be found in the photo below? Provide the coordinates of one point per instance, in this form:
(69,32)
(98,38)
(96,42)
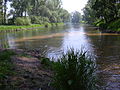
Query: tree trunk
(5,12)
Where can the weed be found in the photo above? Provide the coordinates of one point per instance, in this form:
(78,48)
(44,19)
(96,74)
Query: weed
(74,71)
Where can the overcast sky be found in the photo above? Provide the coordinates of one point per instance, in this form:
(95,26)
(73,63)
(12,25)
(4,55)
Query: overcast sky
(74,5)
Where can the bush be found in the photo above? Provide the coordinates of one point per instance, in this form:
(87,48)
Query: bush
(46,62)
(36,20)
(39,20)
(45,19)
(46,24)
(22,21)
(114,25)
(11,21)
(74,71)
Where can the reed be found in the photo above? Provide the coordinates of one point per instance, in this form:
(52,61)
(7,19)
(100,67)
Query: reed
(75,71)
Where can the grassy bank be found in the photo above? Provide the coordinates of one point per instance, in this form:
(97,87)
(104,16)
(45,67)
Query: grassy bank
(33,26)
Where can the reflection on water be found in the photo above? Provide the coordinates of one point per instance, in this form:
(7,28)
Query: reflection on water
(54,41)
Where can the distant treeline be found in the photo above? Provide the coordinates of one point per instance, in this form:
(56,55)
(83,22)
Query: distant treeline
(25,12)
(103,13)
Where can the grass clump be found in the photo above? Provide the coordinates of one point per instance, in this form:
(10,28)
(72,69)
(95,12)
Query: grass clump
(6,65)
(74,71)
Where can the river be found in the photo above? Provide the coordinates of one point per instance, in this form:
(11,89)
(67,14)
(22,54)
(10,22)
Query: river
(52,42)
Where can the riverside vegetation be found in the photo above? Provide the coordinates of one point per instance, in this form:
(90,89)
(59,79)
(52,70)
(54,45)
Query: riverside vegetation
(104,14)
(23,14)
(73,71)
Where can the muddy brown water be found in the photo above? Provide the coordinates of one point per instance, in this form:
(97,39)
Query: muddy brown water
(52,42)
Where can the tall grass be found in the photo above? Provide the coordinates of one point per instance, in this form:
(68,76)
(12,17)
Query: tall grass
(75,71)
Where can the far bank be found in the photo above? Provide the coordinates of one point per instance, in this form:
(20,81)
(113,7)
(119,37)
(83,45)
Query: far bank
(12,28)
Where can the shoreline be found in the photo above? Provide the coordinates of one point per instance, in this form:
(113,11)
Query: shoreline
(110,31)
(107,31)
(27,71)
(12,28)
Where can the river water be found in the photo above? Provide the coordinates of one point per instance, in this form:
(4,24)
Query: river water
(53,42)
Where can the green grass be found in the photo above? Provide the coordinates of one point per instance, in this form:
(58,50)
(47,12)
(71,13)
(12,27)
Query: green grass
(74,71)
(14,27)
(6,66)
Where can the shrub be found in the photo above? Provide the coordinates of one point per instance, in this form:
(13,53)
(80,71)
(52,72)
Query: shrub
(36,20)
(114,25)
(74,71)
(22,21)
(46,61)
(11,21)
(46,24)
(39,20)
(45,19)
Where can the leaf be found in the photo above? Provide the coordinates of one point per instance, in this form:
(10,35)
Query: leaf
(70,82)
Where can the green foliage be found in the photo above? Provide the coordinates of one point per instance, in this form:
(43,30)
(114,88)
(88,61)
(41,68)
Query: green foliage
(104,11)
(22,21)
(76,17)
(36,20)
(46,24)
(1,20)
(6,65)
(39,20)
(46,61)
(1,14)
(74,71)
(25,27)
(101,24)
(39,11)
(45,19)
(115,25)
(11,21)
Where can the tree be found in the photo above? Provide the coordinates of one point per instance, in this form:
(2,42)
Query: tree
(44,10)
(76,17)
(1,11)
(21,7)
(102,10)
(64,15)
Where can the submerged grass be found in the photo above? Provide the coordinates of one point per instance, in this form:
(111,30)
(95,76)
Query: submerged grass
(75,71)
(6,66)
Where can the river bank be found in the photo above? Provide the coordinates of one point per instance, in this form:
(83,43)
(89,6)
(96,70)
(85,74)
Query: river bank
(27,70)
(23,71)
(111,27)
(12,28)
